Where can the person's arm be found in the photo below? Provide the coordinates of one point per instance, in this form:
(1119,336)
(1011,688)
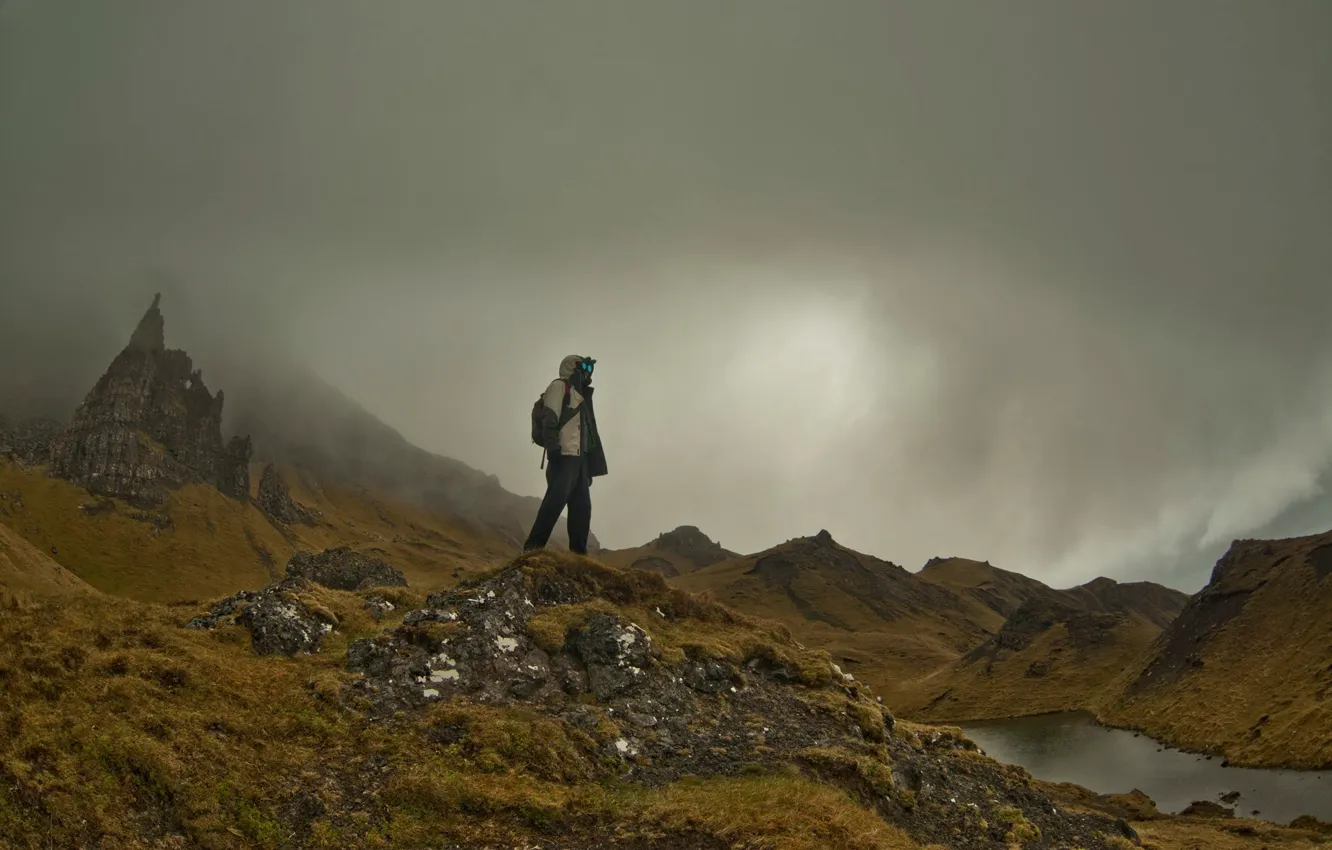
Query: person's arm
(550,418)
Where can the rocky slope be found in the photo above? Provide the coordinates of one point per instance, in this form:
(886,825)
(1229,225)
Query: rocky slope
(150,425)
(1245,670)
(556,703)
(673,553)
(274,499)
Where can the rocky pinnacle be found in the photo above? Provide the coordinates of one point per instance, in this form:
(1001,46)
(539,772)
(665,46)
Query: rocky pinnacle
(150,424)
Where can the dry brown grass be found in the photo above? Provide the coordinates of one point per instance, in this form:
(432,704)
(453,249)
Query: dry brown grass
(119,725)
(886,654)
(681,625)
(1262,695)
(27,574)
(216,546)
(1076,678)
(1238,834)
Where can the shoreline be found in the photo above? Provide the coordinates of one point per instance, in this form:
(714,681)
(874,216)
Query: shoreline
(1163,739)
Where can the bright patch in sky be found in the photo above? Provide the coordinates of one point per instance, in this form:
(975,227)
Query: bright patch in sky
(802,371)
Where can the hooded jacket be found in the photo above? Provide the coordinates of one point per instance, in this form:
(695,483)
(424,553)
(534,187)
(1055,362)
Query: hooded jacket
(578,435)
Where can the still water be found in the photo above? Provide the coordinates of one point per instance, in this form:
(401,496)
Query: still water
(1071,747)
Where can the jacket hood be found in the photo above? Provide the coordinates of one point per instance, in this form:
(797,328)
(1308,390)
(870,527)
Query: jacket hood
(567,366)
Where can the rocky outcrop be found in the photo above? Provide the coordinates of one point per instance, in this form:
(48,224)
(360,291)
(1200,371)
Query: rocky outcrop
(280,622)
(691,544)
(1207,809)
(274,499)
(555,643)
(343,568)
(29,441)
(150,425)
(379,607)
(1085,628)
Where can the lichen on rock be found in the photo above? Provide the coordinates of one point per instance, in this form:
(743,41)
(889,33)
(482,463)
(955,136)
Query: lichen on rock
(626,660)
(279,621)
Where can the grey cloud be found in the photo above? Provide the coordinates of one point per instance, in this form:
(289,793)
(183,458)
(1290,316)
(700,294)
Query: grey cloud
(1039,282)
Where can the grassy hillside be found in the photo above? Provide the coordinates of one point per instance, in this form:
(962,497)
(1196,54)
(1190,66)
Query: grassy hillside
(201,544)
(1246,669)
(1057,650)
(880,622)
(1047,657)
(27,574)
(125,730)
(939,644)
(1002,591)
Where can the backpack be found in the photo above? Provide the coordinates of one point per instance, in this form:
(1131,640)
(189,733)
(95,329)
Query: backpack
(538,417)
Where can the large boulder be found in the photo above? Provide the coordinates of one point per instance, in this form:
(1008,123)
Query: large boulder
(343,568)
(275,500)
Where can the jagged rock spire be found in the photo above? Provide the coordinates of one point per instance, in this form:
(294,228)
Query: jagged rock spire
(150,335)
(150,424)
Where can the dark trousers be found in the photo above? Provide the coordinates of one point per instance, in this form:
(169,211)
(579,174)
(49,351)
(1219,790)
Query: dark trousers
(567,484)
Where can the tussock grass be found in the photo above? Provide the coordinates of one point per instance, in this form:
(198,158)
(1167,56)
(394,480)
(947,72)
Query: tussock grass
(682,625)
(1237,834)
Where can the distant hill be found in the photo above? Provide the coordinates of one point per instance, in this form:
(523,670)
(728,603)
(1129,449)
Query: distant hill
(960,639)
(879,621)
(1004,591)
(1056,650)
(1246,669)
(673,553)
(999,590)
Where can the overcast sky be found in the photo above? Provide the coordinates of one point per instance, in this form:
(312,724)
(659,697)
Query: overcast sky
(1040,282)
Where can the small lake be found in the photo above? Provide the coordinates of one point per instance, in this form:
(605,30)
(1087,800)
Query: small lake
(1072,747)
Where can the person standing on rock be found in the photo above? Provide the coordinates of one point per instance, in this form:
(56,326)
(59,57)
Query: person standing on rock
(565,425)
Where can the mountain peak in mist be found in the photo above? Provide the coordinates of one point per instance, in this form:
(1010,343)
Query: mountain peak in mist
(150,335)
(150,425)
